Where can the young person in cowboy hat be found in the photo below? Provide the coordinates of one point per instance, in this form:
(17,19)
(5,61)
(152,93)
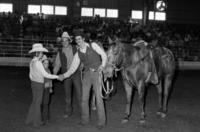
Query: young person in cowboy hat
(63,61)
(94,60)
(47,91)
(37,74)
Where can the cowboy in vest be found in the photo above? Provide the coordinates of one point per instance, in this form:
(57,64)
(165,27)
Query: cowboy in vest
(94,60)
(37,74)
(63,61)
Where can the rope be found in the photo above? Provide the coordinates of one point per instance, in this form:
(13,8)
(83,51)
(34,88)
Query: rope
(107,90)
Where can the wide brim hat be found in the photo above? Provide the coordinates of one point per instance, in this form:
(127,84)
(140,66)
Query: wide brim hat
(38,47)
(66,35)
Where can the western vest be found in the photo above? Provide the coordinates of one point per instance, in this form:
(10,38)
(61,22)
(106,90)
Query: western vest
(90,59)
(63,58)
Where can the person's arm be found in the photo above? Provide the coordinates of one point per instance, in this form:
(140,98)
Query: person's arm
(29,70)
(140,42)
(57,64)
(74,66)
(101,52)
(40,67)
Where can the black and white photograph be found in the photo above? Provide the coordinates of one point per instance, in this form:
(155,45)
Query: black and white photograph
(99,66)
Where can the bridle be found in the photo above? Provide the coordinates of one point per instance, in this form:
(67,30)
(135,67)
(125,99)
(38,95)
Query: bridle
(117,63)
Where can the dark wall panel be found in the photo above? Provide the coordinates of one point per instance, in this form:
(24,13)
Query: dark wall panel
(178,11)
(103,3)
(39,1)
(124,7)
(20,6)
(6,1)
(54,2)
(137,4)
(186,11)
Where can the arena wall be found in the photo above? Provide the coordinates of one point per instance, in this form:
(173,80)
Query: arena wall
(24,62)
(178,11)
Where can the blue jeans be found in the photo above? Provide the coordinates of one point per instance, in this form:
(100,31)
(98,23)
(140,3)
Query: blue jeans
(70,84)
(34,114)
(91,78)
(45,104)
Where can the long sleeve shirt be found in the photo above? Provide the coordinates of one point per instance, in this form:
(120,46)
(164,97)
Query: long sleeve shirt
(69,55)
(76,61)
(47,81)
(37,72)
(57,64)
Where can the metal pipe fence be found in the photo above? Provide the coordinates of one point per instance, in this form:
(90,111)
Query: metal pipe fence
(189,51)
(21,47)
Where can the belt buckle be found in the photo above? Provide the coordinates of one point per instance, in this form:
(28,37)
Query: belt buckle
(91,69)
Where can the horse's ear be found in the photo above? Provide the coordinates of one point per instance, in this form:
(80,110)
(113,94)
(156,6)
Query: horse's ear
(116,39)
(110,41)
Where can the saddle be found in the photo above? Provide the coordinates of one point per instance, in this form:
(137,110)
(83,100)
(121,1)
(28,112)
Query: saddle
(145,52)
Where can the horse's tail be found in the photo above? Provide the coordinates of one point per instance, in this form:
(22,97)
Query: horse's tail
(168,59)
(164,60)
(167,54)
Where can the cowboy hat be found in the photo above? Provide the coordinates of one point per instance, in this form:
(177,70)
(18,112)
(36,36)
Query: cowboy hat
(37,47)
(66,35)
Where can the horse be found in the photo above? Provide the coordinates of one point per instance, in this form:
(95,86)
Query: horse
(134,63)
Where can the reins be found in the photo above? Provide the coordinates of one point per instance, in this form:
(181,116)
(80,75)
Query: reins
(104,89)
(135,64)
(142,59)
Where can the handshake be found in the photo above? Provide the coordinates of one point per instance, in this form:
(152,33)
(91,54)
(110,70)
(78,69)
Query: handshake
(61,77)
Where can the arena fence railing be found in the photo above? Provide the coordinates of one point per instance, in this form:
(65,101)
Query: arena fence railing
(14,52)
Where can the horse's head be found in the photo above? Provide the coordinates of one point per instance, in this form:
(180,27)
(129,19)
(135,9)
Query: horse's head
(113,54)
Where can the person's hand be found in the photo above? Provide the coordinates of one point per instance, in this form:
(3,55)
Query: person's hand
(61,77)
(50,90)
(101,68)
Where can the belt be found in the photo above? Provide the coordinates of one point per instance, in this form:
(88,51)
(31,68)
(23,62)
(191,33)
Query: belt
(92,69)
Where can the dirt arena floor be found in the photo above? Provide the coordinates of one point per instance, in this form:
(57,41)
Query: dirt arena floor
(183,113)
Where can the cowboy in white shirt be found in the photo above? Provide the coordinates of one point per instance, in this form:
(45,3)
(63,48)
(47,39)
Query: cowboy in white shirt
(94,60)
(37,74)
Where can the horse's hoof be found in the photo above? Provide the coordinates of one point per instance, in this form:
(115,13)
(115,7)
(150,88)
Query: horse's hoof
(124,121)
(161,114)
(142,121)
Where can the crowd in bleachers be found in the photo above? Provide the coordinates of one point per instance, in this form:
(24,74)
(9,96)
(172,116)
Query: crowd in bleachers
(182,39)
(34,26)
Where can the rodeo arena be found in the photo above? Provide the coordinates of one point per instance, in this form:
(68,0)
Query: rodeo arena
(99,65)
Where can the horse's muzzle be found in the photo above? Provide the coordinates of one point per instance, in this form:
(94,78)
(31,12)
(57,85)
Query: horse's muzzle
(108,72)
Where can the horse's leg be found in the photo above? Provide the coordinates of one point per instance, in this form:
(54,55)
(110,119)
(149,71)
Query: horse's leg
(128,90)
(141,93)
(167,86)
(160,99)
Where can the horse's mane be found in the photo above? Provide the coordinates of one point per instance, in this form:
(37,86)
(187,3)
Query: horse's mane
(128,53)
